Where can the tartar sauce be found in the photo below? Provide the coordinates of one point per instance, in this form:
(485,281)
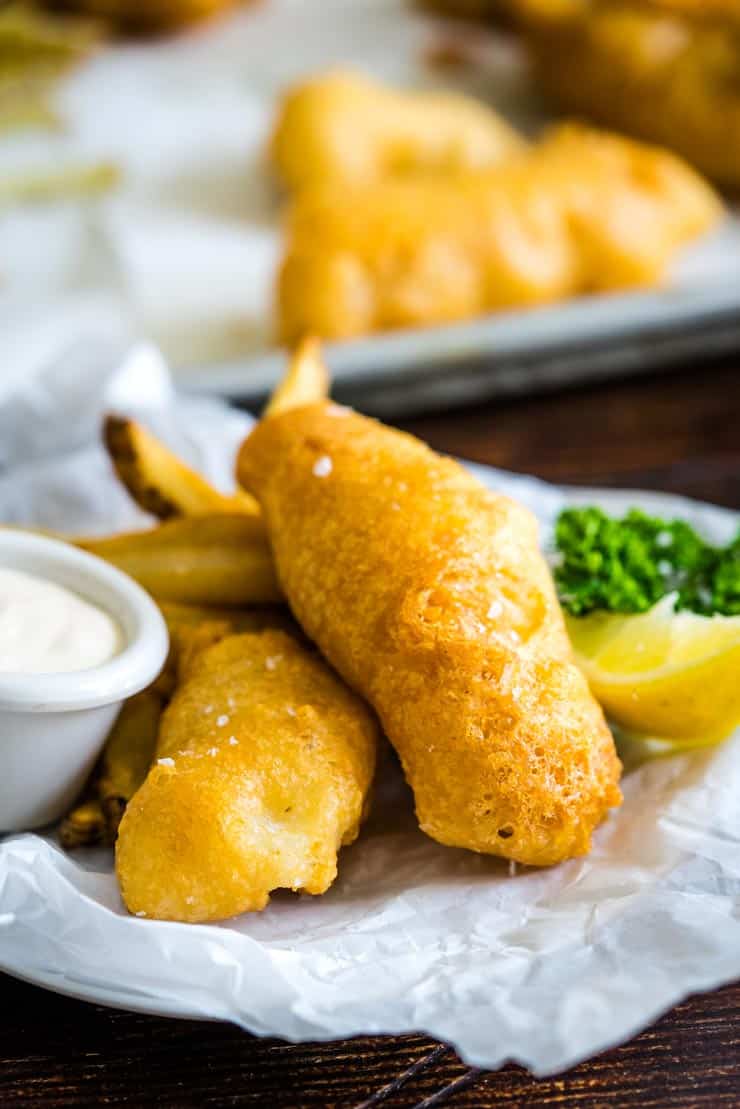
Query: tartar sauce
(47,629)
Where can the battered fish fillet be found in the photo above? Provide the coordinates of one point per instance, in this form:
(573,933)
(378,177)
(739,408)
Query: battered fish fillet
(347,129)
(699,9)
(429,595)
(584,211)
(262,771)
(670,76)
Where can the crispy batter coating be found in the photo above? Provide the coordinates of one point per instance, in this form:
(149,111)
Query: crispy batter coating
(584,211)
(262,771)
(429,594)
(696,9)
(345,128)
(670,76)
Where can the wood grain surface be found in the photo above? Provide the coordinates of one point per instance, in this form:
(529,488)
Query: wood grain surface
(679,432)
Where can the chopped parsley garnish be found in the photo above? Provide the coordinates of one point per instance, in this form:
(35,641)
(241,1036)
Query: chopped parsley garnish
(628,564)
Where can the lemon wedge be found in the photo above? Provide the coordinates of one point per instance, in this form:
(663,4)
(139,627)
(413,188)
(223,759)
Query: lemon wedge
(673,675)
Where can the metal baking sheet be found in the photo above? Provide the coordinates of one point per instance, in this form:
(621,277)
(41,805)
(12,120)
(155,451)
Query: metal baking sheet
(508,354)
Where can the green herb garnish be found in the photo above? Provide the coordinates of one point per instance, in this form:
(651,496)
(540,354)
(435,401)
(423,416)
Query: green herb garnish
(628,564)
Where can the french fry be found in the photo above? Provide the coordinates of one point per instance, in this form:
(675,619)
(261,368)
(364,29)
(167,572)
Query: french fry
(305,382)
(147,15)
(204,560)
(83,826)
(182,617)
(193,627)
(159,481)
(126,756)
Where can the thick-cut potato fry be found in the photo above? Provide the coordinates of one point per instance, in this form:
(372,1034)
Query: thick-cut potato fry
(346,129)
(188,640)
(178,616)
(159,481)
(126,756)
(306,380)
(193,626)
(83,826)
(148,15)
(203,560)
(584,211)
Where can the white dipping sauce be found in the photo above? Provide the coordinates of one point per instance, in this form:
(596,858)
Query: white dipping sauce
(47,629)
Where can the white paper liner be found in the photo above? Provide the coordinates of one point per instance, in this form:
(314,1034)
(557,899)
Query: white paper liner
(542,967)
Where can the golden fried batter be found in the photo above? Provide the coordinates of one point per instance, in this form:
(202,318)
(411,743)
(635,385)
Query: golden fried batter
(345,128)
(584,211)
(698,9)
(429,594)
(263,766)
(665,76)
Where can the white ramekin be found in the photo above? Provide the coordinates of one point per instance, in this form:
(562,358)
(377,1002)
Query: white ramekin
(53,726)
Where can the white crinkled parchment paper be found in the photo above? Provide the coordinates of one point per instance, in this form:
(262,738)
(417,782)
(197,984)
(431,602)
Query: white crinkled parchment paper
(541,967)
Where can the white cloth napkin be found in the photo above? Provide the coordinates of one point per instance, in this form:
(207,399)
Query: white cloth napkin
(59,384)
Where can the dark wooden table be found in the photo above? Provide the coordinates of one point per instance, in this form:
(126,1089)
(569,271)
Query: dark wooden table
(679,432)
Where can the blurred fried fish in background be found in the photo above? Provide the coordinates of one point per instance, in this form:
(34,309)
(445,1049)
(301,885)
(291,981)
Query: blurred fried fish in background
(666,71)
(343,127)
(582,211)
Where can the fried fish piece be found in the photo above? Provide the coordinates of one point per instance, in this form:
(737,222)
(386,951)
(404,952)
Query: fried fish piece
(130,746)
(429,595)
(345,128)
(584,211)
(667,73)
(698,9)
(262,772)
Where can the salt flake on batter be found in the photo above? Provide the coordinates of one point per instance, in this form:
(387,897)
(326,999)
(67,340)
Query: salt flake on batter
(322,467)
